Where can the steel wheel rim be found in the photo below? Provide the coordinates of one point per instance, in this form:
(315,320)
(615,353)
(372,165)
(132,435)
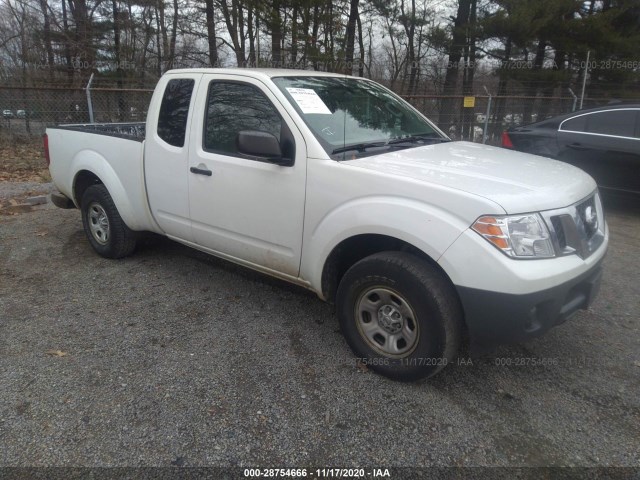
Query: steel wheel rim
(98,223)
(387,322)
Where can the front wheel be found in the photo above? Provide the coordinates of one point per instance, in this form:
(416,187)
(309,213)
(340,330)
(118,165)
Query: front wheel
(399,315)
(105,229)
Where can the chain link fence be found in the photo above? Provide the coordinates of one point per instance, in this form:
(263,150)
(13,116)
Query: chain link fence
(484,118)
(27,111)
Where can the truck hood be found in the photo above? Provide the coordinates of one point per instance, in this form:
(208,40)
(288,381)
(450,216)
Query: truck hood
(518,182)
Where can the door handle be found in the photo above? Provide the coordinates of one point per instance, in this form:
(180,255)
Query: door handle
(577,146)
(201,171)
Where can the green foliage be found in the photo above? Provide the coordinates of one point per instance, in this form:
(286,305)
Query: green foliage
(568,29)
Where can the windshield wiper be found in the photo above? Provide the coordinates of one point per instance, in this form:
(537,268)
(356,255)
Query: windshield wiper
(418,138)
(359,147)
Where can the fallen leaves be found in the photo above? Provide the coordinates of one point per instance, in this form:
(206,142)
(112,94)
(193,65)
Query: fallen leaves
(362,366)
(56,353)
(23,162)
(25,202)
(8,208)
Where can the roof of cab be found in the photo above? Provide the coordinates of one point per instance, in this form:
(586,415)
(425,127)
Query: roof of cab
(257,72)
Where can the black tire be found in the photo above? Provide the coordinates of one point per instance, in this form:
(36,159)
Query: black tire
(105,229)
(380,287)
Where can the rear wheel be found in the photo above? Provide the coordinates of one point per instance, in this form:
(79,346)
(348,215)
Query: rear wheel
(105,229)
(400,316)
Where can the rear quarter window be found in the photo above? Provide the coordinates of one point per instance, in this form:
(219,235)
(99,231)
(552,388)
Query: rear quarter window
(174,111)
(576,124)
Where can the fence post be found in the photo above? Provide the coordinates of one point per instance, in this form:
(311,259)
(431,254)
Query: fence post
(89,104)
(486,118)
(575,100)
(584,80)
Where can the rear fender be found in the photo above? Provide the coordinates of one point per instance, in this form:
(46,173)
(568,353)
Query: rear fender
(96,164)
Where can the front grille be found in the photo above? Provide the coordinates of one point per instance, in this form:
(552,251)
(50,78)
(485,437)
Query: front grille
(559,232)
(578,228)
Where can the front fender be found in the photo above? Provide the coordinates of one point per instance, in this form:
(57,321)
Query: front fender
(426,227)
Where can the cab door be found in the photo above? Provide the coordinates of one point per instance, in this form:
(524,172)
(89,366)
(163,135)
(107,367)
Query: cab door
(242,207)
(166,153)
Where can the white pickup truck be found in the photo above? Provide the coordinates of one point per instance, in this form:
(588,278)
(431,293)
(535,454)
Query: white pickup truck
(336,184)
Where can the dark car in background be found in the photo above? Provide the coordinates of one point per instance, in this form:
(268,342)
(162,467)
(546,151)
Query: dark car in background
(604,142)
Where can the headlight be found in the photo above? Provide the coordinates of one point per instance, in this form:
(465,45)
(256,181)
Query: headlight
(518,236)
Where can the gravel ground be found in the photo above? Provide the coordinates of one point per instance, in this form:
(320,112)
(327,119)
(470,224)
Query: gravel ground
(10,190)
(171,357)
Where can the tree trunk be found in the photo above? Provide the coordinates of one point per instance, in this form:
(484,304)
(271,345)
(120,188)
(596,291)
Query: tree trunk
(159,28)
(532,89)
(469,73)
(84,38)
(499,111)
(133,44)
(361,47)
(252,37)
(67,46)
(315,32)
(306,21)
(351,37)
(329,36)
(165,37)
(211,33)
(410,29)
(370,56)
(240,54)
(174,33)
(294,33)
(257,37)
(116,51)
(448,118)
(148,34)
(232,20)
(46,33)
(276,34)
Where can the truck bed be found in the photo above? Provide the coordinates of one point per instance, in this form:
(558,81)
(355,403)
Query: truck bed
(131,131)
(112,152)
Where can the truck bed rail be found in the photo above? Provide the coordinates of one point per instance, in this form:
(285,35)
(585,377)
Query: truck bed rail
(131,131)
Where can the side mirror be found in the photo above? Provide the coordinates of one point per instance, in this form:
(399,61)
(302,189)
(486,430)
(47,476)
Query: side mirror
(263,145)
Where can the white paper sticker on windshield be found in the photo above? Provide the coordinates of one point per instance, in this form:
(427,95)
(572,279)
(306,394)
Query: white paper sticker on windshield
(308,100)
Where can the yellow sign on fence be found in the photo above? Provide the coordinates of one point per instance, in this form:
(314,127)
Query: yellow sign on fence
(469,102)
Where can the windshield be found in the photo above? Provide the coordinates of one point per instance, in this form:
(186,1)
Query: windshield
(352,117)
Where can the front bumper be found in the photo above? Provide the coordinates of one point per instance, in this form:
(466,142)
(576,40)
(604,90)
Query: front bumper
(494,317)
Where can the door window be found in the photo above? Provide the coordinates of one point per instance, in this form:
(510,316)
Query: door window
(233,107)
